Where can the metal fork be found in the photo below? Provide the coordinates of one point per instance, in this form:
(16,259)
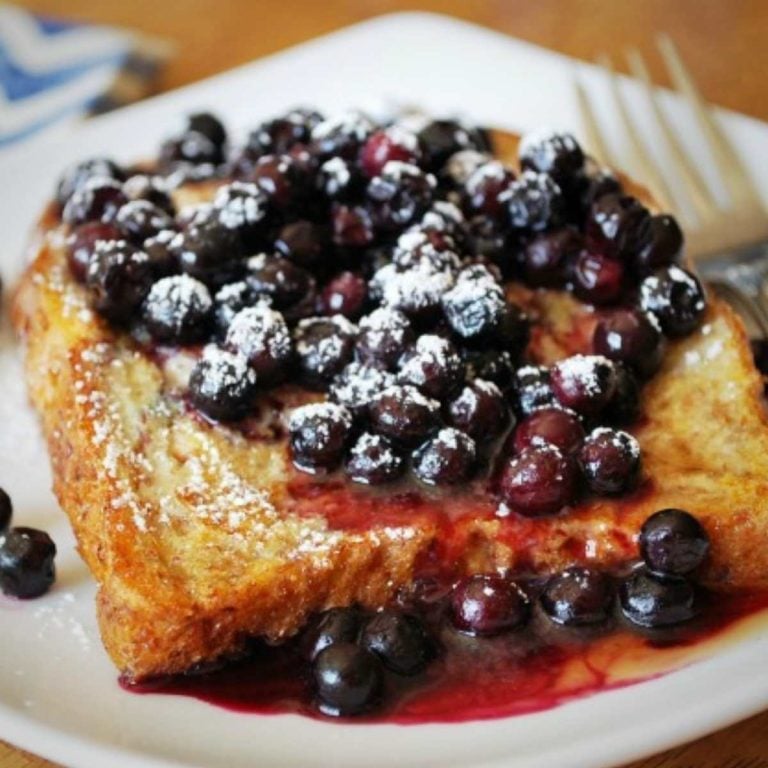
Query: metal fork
(729,243)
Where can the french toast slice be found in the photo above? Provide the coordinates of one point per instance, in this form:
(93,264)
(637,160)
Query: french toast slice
(201,536)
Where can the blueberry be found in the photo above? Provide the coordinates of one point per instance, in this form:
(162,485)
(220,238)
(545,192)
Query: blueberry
(357,384)
(598,279)
(610,461)
(352,226)
(653,602)
(404,414)
(6,510)
(399,194)
(461,165)
(348,679)
(534,202)
(578,596)
(400,640)
(191,148)
(283,181)
(440,139)
(557,154)
(474,308)
(222,385)
(374,460)
(584,383)
(416,290)
(261,334)
(433,365)
(392,143)
(479,410)
(384,336)
(208,125)
(118,279)
(488,604)
(631,337)
(483,187)
(81,245)
(285,283)
(532,389)
(339,179)
(319,434)
(77,175)
(302,241)
(152,189)
(624,407)
(675,297)
(549,426)
(493,365)
(230,299)
(206,249)
(673,542)
(345,294)
(282,133)
(97,199)
(336,625)
(540,480)
(178,308)
(324,346)
(26,562)
(139,220)
(547,256)
(618,226)
(342,135)
(448,458)
(665,246)
(243,208)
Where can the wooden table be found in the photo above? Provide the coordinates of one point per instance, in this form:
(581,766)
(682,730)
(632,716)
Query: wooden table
(723,41)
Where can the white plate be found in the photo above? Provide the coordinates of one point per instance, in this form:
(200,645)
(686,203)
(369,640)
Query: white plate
(58,691)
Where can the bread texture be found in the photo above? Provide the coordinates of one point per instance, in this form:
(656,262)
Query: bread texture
(199,541)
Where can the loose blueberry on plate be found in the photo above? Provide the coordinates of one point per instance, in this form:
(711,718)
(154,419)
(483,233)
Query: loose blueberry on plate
(374,460)
(632,337)
(448,458)
(348,679)
(26,563)
(654,602)
(676,298)
(549,426)
(324,346)
(610,461)
(357,384)
(578,596)
(336,625)
(400,640)
(178,308)
(261,334)
(118,279)
(488,604)
(319,434)
(584,383)
(479,410)
(540,480)
(384,336)
(222,384)
(433,365)
(673,542)
(6,510)
(404,414)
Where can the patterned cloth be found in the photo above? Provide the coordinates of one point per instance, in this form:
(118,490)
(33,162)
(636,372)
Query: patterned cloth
(54,71)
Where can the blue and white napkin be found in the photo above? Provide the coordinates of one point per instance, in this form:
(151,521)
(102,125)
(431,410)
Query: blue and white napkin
(53,72)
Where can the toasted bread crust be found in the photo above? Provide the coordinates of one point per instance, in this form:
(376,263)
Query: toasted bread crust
(188,529)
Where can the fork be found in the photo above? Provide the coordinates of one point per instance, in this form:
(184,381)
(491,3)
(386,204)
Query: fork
(729,244)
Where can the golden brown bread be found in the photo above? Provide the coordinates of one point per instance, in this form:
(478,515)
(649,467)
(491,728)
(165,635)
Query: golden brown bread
(198,540)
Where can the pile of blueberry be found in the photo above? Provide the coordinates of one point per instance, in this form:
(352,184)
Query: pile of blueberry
(26,557)
(351,652)
(368,261)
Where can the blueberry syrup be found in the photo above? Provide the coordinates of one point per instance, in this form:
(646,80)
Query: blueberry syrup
(473,678)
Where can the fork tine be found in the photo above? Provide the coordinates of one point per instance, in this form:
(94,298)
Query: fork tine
(699,193)
(641,157)
(741,189)
(595,139)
